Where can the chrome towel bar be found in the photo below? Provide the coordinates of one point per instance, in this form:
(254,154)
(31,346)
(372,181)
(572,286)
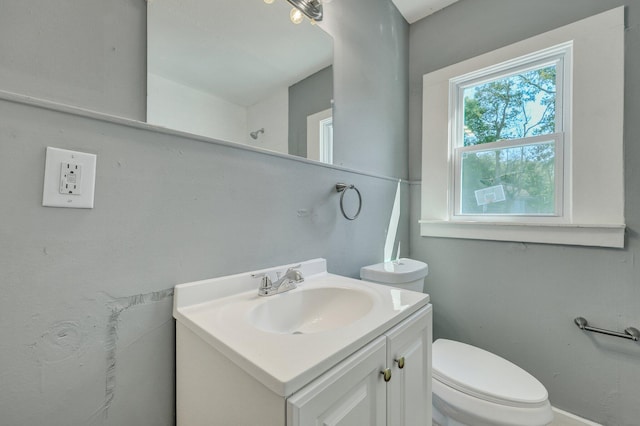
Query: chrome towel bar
(629,332)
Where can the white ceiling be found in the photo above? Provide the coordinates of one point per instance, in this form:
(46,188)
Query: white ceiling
(414,10)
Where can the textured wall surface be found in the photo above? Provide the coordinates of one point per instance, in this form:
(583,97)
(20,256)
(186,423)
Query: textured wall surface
(86,332)
(519,300)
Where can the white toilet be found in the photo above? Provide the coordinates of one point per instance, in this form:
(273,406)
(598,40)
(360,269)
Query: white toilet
(471,387)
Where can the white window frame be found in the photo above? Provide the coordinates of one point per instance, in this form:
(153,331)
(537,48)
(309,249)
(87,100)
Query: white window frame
(560,56)
(592,210)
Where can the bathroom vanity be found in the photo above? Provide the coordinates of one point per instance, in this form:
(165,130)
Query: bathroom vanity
(334,351)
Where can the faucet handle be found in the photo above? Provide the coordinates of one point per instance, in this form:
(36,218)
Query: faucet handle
(279,274)
(265,281)
(293,268)
(297,274)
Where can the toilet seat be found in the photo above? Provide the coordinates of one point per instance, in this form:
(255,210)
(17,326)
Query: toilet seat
(463,409)
(474,387)
(486,376)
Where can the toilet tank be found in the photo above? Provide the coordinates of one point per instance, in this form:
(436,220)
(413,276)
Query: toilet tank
(407,274)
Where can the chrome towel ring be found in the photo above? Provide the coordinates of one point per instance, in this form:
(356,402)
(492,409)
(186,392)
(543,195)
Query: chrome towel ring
(343,187)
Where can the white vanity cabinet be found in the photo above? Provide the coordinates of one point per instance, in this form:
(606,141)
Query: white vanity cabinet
(352,393)
(355,393)
(409,390)
(310,356)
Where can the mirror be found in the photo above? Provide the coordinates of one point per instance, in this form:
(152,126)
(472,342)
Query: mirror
(241,71)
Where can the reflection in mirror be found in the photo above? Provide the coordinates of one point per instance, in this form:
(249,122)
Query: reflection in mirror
(241,71)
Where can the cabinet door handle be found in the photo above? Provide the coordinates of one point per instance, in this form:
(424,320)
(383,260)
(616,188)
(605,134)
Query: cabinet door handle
(400,362)
(387,374)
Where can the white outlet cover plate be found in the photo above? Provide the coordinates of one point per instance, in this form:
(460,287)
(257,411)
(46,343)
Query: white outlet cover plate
(51,195)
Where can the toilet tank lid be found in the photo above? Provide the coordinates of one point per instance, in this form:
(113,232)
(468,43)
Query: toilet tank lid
(485,375)
(395,272)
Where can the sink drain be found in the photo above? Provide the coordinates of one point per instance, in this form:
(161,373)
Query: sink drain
(297,332)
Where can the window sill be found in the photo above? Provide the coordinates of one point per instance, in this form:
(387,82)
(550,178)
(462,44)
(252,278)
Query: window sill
(570,234)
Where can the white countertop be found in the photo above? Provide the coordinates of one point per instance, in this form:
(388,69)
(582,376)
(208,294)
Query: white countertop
(218,310)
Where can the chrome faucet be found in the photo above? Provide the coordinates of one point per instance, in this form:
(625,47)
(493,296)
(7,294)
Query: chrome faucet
(288,281)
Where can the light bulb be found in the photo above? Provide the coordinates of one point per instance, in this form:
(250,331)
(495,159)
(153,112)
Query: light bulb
(268,1)
(296,16)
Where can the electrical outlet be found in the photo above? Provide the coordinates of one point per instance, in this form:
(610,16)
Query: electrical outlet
(69,179)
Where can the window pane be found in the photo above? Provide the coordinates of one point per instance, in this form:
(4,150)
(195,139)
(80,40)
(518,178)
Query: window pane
(511,107)
(517,180)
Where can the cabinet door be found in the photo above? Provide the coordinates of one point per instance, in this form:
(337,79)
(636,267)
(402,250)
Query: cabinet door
(353,393)
(409,391)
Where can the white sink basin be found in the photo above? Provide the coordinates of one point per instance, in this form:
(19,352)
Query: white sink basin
(311,311)
(286,340)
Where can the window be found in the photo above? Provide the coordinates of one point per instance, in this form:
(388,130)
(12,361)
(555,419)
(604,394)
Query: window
(525,143)
(508,137)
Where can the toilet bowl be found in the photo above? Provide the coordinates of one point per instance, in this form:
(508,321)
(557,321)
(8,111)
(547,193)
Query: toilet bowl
(471,387)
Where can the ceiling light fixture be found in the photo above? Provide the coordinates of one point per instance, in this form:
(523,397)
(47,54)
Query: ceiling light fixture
(311,8)
(296,15)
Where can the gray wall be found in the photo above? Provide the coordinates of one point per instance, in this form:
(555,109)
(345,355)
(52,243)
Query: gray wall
(86,333)
(306,97)
(91,53)
(519,300)
(371,83)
